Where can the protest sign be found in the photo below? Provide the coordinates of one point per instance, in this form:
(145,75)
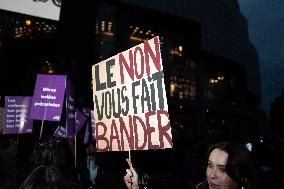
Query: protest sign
(80,120)
(86,135)
(49,9)
(60,132)
(70,110)
(1,118)
(93,125)
(130,104)
(15,115)
(48,97)
(87,113)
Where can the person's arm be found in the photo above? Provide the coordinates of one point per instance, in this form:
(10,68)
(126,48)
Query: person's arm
(131,179)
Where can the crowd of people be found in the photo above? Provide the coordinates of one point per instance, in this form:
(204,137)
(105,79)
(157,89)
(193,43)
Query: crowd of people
(51,165)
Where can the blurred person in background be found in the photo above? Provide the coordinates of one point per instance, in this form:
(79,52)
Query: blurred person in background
(44,177)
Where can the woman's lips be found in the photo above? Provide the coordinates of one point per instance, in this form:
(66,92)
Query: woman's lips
(213,186)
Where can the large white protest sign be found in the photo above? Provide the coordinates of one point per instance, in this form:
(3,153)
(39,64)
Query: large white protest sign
(49,9)
(130,104)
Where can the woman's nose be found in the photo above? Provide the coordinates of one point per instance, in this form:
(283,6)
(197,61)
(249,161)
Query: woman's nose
(213,173)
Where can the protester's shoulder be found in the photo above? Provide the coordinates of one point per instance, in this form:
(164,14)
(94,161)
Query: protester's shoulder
(198,186)
(201,185)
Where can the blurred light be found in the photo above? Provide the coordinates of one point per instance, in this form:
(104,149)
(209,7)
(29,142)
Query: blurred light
(180,48)
(103,26)
(265,168)
(249,146)
(51,71)
(28,22)
(221,78)
(172,88)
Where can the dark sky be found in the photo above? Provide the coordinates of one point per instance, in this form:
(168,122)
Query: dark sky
(266,29)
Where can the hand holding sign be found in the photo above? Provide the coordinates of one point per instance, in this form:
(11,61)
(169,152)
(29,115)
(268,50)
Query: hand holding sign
(131,177)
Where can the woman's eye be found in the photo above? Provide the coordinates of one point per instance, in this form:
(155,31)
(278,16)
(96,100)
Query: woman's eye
(209,165)
(222,169)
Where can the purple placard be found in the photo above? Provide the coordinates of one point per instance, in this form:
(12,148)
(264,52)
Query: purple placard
(80,120)
(1,119)
(48,97)
(70,110)
(93,125)
(86,136)
(87,113)
(60,132)
(15,115)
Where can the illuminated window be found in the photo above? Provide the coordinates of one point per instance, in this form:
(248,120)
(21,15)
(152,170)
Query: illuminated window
(182,81)
(31,28)
(47,67)
(177,51)
(103,26)
(140,34)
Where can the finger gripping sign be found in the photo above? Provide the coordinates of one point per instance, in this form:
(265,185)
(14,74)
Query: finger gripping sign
(130,104)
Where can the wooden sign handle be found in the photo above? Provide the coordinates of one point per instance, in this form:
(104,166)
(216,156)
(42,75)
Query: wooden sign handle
(41,129)
(75,141)
(129,159)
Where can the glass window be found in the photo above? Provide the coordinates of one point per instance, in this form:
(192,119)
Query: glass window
(106,31)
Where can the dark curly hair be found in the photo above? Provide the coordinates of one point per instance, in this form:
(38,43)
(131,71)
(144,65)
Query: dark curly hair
(44,177)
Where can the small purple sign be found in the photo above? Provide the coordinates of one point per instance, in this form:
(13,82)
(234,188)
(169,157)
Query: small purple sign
(70,110)
(93,125)
(15,115)
(86,136)
(1,119)
(87,113)
(48,97)
(80,120)
(60,132)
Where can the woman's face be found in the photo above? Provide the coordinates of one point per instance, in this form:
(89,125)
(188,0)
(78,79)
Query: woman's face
(217,176)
